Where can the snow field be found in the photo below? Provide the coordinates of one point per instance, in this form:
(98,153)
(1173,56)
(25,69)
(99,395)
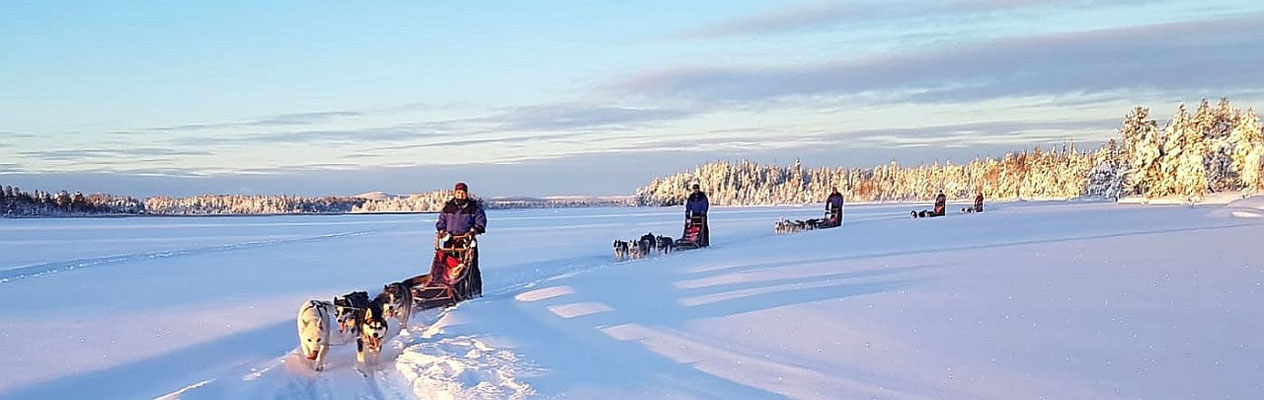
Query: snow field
(1029,300)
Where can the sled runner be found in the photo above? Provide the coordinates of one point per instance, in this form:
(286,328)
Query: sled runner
(449,280)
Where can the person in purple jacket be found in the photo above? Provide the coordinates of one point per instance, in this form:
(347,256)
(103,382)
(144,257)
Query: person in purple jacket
(697,205)
(463,215)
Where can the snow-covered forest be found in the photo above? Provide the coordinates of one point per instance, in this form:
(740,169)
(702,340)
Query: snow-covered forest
(1215,148)
(14,201)
(433,202)
(243,204)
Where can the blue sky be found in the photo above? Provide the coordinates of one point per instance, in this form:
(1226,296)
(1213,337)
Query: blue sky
(536,98)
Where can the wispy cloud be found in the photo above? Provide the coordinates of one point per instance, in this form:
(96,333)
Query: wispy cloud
(510,125)
(1200,55)
(82,154)
(306,118)
(15,135)
(817,16)
(568,116)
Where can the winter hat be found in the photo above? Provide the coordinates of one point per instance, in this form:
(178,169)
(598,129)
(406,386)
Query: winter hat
(462,187)
(695,186)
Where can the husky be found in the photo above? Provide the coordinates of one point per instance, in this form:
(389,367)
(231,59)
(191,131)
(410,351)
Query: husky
(397,302)
(635,250)
(314,325)
(349,310)
(648,243)
(665,244)
(620,250)
(373,331)
(322,324)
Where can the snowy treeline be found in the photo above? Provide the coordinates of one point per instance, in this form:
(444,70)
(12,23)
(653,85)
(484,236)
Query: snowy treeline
(421,202)
(1216,148)
(559,202)
(434,201)
(242,204)
(15,202)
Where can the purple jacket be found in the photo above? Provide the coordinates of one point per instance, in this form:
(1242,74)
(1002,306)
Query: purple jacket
(459,219)
(697,204)
(835,202)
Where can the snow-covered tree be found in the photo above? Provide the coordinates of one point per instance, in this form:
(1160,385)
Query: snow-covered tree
(1184,151)
(1248,149)
(1142,151)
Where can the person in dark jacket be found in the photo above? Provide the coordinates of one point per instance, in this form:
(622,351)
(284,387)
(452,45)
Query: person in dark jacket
(978,203)
(834,205)
(697,206)
(463,215)
(941,204)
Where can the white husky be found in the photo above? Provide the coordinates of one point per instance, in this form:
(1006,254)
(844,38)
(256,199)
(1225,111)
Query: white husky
(315,321)
(322,324)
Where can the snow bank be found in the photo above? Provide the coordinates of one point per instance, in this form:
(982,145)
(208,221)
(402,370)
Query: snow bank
(1251,207)
(1213,198)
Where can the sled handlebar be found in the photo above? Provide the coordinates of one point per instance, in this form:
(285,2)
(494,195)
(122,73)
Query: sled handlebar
(443,237)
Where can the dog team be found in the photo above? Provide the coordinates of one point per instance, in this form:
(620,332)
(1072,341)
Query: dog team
(647,245)
(354,317)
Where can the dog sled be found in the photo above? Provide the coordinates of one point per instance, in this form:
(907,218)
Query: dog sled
(355,317)
(695,235)
(451,277)
(832,219)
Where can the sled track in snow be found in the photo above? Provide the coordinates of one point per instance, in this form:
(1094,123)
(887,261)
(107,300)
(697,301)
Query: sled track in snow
(37,270)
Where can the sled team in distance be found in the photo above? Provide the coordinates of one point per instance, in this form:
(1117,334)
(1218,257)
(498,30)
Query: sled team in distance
(941,203)
(833,217)
(695,236)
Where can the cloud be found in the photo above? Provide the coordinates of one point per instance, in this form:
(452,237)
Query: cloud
(306,118)
(11,168)
(499,139)
(15,135)
(821,16)
(73,155)
(511,125)
(567,116)
(1206,56)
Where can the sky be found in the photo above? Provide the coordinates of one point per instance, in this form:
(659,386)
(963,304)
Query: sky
(582,98)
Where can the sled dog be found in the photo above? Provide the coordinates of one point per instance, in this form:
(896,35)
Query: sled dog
(315,321)
(620,250)
(397,302)
(372,333)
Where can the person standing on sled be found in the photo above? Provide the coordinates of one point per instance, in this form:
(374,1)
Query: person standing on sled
(941,204)
(697,206)
(462,215)
(834,205)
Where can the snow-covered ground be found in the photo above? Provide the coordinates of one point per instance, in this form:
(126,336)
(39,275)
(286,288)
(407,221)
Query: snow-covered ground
(1059,300)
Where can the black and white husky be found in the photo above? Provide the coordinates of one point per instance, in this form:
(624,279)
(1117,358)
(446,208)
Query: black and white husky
(397,302)
(620,250)
(373,331)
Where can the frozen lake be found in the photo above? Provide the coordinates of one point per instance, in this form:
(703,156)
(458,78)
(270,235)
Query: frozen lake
(1061,300)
